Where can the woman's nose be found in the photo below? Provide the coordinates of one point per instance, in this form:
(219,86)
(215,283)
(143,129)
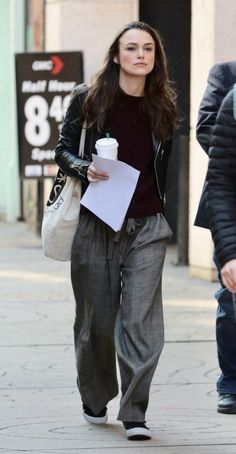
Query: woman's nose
(140,53)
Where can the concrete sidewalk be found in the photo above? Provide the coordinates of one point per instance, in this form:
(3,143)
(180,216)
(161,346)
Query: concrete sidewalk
(40,409)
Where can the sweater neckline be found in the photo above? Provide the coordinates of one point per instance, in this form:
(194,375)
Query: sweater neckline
(125,95)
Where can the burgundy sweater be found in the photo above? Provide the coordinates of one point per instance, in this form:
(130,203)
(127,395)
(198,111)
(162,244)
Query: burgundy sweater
(129,124)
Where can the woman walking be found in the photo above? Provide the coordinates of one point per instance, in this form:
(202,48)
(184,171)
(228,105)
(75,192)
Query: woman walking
(116,276)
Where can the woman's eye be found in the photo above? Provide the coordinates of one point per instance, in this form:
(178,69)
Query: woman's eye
(148,49)
(131,48)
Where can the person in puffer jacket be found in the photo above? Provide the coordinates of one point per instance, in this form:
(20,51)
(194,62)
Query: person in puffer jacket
(221,79)
(221,213)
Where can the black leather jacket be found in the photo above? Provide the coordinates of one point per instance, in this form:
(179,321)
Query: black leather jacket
(68,144)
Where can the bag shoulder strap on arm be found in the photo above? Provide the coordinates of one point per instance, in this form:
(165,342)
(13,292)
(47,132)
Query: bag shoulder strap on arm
(81,89)
(82,141)
(234,101)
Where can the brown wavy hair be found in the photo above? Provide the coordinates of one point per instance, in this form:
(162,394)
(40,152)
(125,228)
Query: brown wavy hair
(159,96)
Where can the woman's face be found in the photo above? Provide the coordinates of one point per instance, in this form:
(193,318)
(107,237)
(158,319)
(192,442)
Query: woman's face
(136,53)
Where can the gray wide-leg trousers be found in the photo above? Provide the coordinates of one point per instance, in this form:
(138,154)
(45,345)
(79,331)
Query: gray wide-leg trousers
(116,278)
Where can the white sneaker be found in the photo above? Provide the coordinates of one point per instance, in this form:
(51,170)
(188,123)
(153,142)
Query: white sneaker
(89,416)
(137,431)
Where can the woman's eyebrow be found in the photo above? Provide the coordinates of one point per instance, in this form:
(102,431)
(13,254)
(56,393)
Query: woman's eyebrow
(135,44)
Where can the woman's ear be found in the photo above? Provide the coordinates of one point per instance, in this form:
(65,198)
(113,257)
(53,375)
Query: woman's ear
(116,59)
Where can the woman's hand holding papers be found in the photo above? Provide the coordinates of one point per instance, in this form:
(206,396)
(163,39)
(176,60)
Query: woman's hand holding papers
(94,174)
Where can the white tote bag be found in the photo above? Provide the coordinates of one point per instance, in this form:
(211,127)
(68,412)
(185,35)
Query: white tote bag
(61,214)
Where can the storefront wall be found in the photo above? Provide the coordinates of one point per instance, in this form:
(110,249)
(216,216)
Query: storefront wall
(12,40)
(89,26)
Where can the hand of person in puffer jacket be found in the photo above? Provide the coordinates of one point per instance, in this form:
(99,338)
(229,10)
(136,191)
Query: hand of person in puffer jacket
(228,275)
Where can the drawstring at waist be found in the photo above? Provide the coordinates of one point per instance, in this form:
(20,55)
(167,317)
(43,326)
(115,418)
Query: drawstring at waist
(129,226)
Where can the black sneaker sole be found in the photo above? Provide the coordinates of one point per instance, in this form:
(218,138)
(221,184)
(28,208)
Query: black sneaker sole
(139,437)
(227,410)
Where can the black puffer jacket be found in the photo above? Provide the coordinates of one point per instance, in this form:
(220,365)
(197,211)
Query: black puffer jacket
(221,186)
(220,80)
(67,147)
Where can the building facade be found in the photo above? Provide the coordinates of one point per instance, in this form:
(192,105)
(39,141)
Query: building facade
(89,26)
(213,40)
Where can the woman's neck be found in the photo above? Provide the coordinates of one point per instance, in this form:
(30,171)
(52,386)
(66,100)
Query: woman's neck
(132,86)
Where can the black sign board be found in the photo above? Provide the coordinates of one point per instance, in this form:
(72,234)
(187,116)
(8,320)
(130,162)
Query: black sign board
(44,85)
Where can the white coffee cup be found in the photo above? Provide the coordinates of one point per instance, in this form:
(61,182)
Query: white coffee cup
(107,148)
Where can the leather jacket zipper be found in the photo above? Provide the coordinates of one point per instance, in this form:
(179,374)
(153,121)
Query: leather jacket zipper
(77,168)
(157,153)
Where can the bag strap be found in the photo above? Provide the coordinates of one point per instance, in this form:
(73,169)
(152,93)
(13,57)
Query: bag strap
(82,141)
(234,101)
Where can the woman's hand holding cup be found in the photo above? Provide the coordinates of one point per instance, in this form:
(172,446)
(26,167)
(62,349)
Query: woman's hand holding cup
(106,148)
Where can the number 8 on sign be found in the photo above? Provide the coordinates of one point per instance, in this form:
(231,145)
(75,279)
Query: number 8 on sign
(37,127)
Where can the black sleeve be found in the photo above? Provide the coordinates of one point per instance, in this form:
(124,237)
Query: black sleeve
(221,186)
(66,152)
(214,93)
